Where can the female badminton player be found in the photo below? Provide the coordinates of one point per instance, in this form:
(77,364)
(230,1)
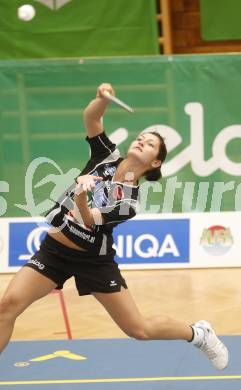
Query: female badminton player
(80,242)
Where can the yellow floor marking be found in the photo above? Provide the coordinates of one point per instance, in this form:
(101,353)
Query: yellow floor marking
(64,354)
(158,379)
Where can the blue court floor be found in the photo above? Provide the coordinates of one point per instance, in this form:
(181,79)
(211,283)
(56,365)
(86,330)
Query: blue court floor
(120,364)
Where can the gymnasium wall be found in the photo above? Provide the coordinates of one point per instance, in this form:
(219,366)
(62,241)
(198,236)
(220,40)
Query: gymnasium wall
(193,21)
(219,22)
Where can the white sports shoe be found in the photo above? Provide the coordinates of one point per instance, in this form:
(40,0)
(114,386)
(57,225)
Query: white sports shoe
(213,348)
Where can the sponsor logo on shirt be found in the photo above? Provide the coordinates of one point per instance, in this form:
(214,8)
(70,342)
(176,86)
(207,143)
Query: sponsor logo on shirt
(83,235)
(118,193)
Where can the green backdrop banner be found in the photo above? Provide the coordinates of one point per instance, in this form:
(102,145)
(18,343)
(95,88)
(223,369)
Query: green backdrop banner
(74,28)
(195,101)
(220,19)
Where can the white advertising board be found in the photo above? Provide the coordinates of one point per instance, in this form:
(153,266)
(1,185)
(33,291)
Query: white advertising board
(156,241)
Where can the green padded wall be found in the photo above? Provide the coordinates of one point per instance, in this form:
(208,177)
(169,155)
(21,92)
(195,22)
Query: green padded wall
(41,105)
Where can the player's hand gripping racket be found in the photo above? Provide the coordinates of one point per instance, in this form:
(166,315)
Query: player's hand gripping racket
(117,101)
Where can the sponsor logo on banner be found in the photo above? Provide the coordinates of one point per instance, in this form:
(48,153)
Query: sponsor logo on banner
(152,241)
(194,153)
(216,240)
(24,241)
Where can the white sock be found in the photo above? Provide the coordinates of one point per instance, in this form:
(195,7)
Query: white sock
(198,336)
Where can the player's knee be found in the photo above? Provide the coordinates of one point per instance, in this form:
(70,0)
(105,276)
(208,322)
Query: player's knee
(9,307)
(138,333)
(141,336)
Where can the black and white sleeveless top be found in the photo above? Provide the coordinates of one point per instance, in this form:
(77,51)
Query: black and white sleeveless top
(116,201)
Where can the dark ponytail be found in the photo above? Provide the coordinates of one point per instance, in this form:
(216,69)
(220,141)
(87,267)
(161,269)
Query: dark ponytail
(155,173)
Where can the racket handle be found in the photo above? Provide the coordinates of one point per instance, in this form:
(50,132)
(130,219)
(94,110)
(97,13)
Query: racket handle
(117,101)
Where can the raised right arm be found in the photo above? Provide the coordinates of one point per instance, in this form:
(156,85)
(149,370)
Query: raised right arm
(95,110)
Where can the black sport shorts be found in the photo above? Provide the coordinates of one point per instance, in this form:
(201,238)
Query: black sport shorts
(92,273)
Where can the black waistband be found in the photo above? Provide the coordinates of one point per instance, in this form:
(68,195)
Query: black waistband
(50,241)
